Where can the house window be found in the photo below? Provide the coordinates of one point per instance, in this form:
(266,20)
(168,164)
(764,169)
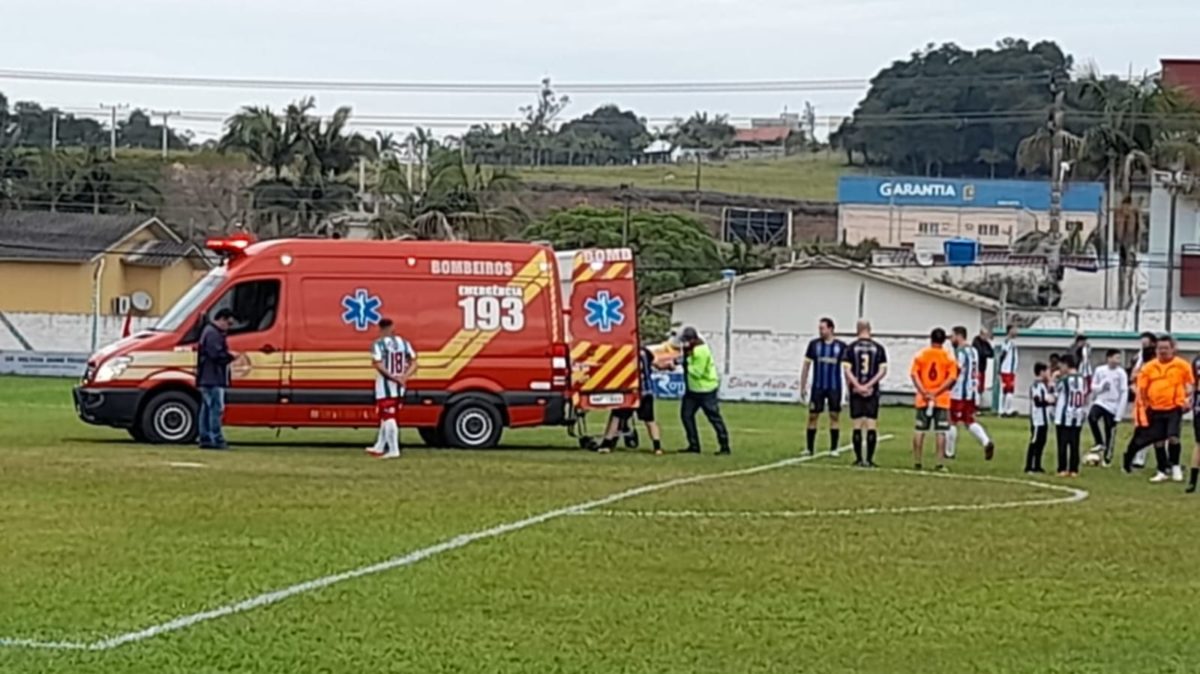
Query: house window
(928,227)
(989,230)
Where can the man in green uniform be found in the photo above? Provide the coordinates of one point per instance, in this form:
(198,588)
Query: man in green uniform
(701,382)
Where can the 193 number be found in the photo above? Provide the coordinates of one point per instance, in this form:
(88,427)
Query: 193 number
(493,313)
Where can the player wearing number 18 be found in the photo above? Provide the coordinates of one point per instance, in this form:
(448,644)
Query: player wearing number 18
(933,373)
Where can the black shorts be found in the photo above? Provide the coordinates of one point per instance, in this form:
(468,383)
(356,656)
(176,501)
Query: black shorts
(864,407)
(1196,425)
(645,410)
(825,399)
(1161,425)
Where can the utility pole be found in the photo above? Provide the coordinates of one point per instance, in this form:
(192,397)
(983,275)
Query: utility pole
(166,133)
(112,133)
(53,131)
(1178,182)
(699,161)
(1057,138)
(625,227)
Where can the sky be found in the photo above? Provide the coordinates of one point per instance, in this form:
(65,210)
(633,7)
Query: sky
(524,41)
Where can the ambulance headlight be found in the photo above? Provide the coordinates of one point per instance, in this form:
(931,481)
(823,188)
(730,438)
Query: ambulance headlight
(112,369)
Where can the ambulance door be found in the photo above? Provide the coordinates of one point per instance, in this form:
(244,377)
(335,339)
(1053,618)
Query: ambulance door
(604,330)
(257,334)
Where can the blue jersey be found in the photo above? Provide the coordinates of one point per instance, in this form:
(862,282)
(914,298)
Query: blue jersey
(863,360)
(645,368)
(826,359)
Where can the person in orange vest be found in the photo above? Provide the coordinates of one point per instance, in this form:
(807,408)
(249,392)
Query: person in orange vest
(1164,386)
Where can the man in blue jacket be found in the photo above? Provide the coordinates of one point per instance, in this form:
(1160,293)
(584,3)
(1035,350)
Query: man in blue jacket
(212,378)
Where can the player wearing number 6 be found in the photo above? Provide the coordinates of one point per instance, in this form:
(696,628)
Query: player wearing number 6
(933,372)
(395,361)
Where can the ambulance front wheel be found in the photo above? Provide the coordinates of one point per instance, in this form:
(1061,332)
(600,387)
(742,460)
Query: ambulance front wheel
(169,418)
(473,424)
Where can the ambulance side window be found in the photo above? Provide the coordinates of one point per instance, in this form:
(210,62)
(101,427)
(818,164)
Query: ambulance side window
(255,305)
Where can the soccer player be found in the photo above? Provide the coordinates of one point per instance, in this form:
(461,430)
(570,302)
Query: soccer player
(395,362)
(824,359)
(620,419)
(865,366)
(1163,387)
(1041,403)
(1083,359)
(1110,391)
(1070,403)
(933,373)
(1194,474)
(1009,360)
(964,397)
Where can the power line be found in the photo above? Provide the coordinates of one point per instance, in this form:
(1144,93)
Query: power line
(662,87)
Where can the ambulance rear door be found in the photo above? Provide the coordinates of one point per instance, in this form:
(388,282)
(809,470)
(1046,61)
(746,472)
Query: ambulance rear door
(604,329)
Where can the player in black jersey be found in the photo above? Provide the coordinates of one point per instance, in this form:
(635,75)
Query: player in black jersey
(864,365)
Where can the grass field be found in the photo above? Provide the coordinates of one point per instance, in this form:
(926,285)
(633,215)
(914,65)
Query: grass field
(802,177)
(808,567)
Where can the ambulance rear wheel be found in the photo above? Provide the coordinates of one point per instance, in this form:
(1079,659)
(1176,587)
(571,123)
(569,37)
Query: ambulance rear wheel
(473,424)
(170,419)
(432,437)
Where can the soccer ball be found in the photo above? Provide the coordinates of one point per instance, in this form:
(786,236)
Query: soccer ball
(1093,459)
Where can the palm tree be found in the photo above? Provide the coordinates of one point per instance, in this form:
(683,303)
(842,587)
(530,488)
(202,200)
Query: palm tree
(458,201)
(262,136)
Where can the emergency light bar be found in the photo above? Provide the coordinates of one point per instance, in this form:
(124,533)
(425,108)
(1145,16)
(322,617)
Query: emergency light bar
(233,245)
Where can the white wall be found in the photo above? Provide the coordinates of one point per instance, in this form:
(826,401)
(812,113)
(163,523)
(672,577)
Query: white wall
(71,333)
(792,303)
(1081,289)
(1187,232)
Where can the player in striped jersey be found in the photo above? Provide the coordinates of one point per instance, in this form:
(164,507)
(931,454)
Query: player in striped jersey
(1070,409)
(964,396)
(1041,403)
(394,361)
(1008,361)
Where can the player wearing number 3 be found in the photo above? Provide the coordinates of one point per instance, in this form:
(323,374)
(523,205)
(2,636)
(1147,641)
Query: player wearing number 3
(933,372)
(395,361)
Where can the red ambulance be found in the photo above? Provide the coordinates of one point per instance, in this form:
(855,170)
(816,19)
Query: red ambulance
(503,340)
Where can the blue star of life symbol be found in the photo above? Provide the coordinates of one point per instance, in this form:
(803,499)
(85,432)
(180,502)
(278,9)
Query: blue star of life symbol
(604,311)
(362,310)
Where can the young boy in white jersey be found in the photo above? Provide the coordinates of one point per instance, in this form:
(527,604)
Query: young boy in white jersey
(1110,392)
(395,361)
(1008,361)
(1041,404)
(1070,408)
(964,397)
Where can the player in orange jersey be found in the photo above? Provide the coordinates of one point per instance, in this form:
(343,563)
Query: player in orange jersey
(934,372)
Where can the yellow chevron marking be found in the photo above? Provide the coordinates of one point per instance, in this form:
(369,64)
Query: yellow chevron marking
(602,374)
(580,349)
(625,375)
(616,270)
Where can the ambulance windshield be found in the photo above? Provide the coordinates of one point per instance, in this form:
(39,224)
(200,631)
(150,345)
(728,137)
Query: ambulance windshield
(186,307)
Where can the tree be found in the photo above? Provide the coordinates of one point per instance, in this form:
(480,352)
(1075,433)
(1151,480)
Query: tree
(139,130)
(624,129)
(933,113)
(540,118)
(702,131)
(458,201)
(672,250)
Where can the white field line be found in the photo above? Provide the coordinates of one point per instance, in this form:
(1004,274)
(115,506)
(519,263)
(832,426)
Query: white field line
(185,464)
(462,540)
(1072,495)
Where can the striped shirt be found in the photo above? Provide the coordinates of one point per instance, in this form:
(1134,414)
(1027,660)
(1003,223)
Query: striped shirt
(1009,358)
(826,359)
(1083,356)
(1040,404)
(1070,405)
(966,387)
(395,354)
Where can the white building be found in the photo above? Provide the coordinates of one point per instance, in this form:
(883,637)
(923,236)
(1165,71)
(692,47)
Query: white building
(774,313)
(1187,246)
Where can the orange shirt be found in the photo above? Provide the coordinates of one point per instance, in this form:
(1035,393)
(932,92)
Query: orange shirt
(934,367)
(1163,386)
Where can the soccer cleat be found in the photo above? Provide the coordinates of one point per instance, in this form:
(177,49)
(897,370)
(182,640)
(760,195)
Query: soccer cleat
(1072,474)
(989,451)
(1191,489)
(690,450)
(658,452)
(1177,474)
(917,467)
(374,451)
(1160,478)
(835,452)
(870,464)
(942,469)
(724,452)
(388,455)
(1063,473)
(604,450)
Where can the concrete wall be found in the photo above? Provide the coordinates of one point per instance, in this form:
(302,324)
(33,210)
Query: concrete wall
(71,333)
(792,303)
(1081,289)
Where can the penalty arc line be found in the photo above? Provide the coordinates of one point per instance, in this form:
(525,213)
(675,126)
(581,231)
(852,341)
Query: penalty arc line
(460,541)
(1073,495)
